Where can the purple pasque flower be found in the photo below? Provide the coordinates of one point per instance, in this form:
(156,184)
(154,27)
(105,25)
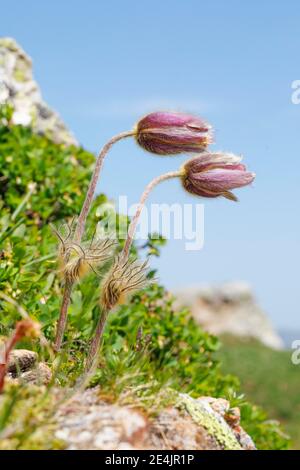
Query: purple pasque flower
(215,174)
(171,133)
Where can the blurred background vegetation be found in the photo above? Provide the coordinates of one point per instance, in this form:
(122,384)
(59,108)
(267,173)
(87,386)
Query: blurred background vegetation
(267,377)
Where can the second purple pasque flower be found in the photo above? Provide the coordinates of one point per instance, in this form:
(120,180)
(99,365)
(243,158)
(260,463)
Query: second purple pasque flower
(215,174)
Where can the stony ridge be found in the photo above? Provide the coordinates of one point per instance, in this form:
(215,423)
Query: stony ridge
(18,88)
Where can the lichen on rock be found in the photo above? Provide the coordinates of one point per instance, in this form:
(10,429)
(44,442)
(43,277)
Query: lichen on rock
(88,422)
(203,414)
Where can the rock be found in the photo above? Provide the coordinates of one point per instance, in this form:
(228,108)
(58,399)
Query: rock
(232,416)
(39,375)
(219,405)
(208,413)
(172,430)
(23,367)
(20,360)
(18,88)
(229,309)
(88,423)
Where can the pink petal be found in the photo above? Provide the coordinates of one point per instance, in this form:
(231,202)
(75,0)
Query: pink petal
(206,161)
(219,180)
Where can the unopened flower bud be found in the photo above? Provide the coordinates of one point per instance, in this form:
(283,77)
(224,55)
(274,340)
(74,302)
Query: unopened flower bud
(166,133)
(215,174)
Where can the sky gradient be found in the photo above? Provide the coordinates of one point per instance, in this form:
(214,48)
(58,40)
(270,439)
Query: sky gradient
(102,65)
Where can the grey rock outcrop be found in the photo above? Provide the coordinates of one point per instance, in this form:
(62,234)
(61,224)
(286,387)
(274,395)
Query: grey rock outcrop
(18,88)
(23,366)
(21,360)
(88,423)
(230,308)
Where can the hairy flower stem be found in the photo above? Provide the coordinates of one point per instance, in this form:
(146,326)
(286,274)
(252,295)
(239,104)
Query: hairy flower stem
(93,183)
(97,339)
(135,219)
(62,321)
(80,227)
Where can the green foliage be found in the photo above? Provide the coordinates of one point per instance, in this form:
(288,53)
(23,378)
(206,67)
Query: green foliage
(148,344)
(256,423)
(256,364)
(24,418)
(179,353)
(6,114)
(154,243)
(28,159)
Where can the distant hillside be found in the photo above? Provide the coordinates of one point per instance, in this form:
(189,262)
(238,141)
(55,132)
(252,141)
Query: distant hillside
(268,378)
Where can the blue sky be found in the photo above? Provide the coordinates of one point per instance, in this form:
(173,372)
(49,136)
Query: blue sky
(104,64)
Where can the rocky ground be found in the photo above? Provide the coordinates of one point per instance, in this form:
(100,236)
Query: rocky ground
(23,366)
(86,421)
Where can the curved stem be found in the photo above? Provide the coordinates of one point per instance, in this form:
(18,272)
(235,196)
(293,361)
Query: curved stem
(93,183)
(97,339)
(135,219)
(62,321)
(80,231)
